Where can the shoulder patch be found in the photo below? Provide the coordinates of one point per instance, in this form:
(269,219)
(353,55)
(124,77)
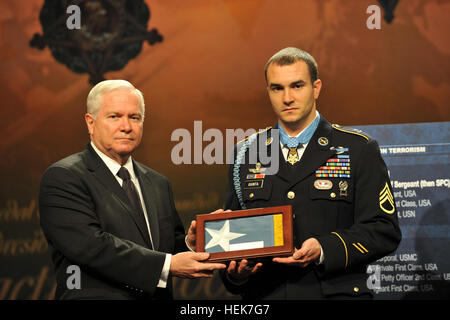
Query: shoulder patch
(256,133)
(352,131)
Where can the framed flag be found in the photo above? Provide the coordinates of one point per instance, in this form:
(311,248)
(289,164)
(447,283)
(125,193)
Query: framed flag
(246,234)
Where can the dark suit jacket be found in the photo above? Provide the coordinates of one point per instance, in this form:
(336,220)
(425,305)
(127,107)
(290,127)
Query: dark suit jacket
(351,225)
(87,220)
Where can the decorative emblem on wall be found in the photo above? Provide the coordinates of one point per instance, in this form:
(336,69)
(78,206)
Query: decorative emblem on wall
(111,33)
(388,7)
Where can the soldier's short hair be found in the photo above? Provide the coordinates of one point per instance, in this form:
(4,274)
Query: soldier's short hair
(291,55)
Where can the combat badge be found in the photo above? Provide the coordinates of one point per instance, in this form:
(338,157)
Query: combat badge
(339,150)
(387,200)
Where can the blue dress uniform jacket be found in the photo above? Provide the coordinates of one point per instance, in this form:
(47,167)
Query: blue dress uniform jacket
(351,213)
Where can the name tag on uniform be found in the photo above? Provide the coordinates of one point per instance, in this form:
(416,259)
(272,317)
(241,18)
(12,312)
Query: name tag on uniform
(253,184)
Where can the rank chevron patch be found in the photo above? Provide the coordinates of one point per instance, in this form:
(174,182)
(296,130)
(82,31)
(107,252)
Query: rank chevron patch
(387,200)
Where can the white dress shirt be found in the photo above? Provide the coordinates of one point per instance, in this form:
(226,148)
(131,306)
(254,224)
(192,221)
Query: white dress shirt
(114,167)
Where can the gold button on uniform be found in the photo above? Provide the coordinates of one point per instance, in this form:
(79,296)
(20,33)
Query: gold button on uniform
(333,195)
(291,194)
(251,195)
(356,289)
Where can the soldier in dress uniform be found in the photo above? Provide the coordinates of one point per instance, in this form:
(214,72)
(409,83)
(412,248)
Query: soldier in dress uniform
(337,184)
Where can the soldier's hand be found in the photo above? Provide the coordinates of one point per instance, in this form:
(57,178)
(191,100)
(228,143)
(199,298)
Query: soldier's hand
(192,236)
(239,272)
(309,252)
(191,265)
(220,211)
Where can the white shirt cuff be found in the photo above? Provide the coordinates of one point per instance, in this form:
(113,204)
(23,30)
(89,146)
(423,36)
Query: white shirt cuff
(165,272)
(321,258)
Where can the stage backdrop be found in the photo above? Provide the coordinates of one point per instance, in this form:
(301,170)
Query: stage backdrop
(208,67)
(418,159)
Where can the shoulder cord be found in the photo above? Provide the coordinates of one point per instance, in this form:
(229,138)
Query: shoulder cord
(236,171)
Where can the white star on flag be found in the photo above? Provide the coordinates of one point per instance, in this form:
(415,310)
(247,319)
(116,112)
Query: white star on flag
(222,237)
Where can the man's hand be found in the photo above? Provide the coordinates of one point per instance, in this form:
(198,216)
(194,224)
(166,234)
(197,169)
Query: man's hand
(309,252)
(242,271)
(190,265)
(192,232)
(191,239)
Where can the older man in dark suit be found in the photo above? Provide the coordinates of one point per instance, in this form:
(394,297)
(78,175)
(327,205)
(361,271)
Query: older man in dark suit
(110,217)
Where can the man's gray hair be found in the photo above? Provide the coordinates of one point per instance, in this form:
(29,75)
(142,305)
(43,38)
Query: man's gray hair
(291,55)
(94,99)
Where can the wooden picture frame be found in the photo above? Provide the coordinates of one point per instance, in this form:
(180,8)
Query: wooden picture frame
(226,235)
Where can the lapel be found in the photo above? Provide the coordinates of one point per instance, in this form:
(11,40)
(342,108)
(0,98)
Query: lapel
(313,157)
(98,168)
(148,193)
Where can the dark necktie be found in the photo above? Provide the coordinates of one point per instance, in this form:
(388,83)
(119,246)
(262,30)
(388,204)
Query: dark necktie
(138,212)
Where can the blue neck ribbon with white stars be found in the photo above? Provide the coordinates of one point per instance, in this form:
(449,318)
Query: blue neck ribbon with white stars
(303,138)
